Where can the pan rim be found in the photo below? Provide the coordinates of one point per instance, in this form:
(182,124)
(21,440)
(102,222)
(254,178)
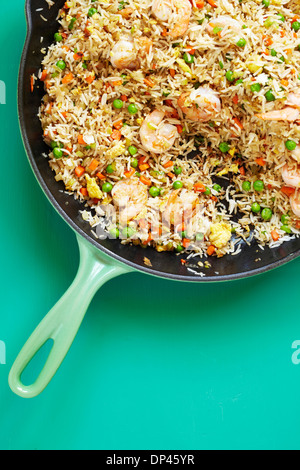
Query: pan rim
(144,269)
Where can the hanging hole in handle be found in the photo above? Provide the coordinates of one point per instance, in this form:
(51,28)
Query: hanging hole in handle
(31,372)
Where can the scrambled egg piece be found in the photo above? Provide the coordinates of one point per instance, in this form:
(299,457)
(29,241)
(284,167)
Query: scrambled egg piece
(115,151)
(220,234)
(93,188)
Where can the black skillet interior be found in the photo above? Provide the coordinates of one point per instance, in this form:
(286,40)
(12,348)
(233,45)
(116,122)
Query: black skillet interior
(250,261)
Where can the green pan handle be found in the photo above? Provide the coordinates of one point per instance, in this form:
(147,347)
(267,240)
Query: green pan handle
(63,321)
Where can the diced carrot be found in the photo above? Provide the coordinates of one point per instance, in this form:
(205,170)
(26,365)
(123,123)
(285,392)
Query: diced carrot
(171,175)
(211,250)
(284,82)
(118,124)
(145,180)
(185,242)
(90,79)
(67,78)
(149,82)
(78,55)
(164,33)
(212,3)
(81,140)
(124,98)
(200,4)
(116,83)
(141,160)
(179,129)
(242,170)
(101,176)
(144,167)
(65,114)
(282,33)
(235,99)
(275,235)
(44,75)
(66,48)
(287,190)
(238,123)
(199,188)
(93,165)
(79,171)
(116,135)
(268,40)
(129,173)
(172,72)
(191,50)
(84,192)
(69,149)
(260,161)
(168,164)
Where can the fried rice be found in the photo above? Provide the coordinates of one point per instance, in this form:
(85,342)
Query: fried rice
(212,171)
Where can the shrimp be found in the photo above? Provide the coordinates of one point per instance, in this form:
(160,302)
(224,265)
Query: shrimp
(131,197)
(226,23)
(180,10)
(157,135)
(200,105)
(290,113)
(181,208)
(124,55)
(295,203)
(291,177)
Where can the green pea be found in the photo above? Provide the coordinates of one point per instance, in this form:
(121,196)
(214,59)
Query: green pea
(154,191)
(224,147)
(177,170)
(134,162)
(266,214)
(118,104)
(92,11)
(281,17)
(179,248)
(109,169)
(177,184)
(255,207)
(290,145)
(269,96)
(57,152)
(114,232)
(285,219)
(217,187)
(128,232)
(241,42)
(258,185)
(58,37)
(107,187)
(246,186)
(61,64)
(230,76)
(273,53)
(207,192)
(256,87)
(132,109)
(296,26)
(132,150)
(286,228)
(188,58)
(266,3)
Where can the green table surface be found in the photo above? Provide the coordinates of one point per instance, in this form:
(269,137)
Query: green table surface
(156,364)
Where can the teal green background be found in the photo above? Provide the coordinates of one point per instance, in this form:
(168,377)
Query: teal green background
(156,364)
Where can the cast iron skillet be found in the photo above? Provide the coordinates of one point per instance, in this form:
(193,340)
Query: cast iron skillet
(100,260)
